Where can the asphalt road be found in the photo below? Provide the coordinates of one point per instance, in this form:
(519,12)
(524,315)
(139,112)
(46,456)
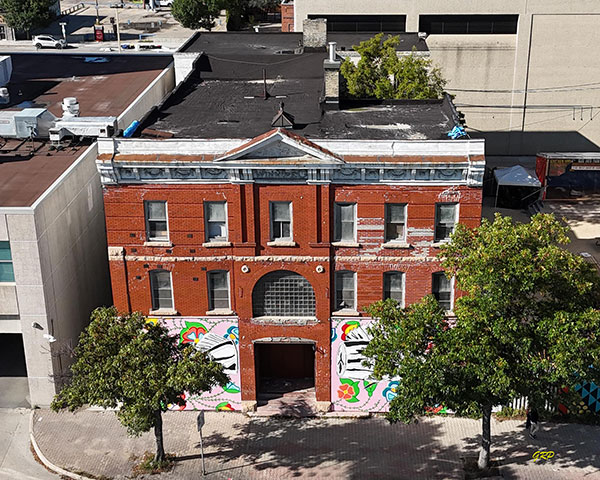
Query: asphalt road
(16,460)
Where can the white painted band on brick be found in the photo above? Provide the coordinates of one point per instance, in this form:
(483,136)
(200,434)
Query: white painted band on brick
(235,258)
(370,227)
(300,259)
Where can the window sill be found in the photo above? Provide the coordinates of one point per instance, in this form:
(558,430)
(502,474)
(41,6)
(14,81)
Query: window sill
(8,284)
(153,243)
(282,243)
(346,244)
(439,243)
(216,244)
(220,311)
(267,318)
(396,245)
(346,312)
(164,311)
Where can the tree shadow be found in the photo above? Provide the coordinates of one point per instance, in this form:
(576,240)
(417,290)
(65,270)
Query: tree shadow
(574,446)
(338,448)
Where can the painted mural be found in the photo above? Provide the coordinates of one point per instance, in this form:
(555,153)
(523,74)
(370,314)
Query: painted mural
(582,400)
(219,337)
(352,385)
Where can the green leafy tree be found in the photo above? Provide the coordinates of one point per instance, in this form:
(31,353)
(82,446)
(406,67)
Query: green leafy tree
(197,14)
(25,15)
(268,5)
(527,324)
(122,361)
(381,74)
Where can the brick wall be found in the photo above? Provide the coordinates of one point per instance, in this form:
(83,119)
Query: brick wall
(287,17)
(249,232)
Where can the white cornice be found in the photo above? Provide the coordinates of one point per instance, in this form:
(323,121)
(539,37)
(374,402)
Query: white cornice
(136,146)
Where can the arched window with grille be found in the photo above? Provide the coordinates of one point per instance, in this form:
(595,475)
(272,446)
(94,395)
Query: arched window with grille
(283,294)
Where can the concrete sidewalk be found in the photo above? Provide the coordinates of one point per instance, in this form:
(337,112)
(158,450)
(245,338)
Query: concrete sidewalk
(238,447)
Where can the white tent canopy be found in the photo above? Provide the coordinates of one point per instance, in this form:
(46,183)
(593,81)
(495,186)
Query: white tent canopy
(516,176)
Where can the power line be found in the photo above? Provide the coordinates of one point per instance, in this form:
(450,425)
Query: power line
(560,88)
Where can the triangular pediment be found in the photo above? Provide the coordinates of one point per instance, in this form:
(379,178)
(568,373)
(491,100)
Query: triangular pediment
(280,145)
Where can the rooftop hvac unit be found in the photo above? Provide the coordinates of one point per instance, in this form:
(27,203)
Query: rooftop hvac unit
(26,123)
(83,127)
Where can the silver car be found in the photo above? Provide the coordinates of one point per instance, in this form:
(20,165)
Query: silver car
(41,41)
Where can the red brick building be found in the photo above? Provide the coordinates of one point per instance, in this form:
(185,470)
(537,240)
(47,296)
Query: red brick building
(263,240)
(287,16)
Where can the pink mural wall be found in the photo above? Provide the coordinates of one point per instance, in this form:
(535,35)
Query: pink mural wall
(352,385)
(219,337)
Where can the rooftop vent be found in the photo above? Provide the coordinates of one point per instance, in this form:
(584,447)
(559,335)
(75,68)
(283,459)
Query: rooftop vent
(4,96)
(70,107)
(282,119)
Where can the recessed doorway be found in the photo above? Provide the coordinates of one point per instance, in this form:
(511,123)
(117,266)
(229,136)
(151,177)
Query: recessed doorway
(285,378)
(14,387)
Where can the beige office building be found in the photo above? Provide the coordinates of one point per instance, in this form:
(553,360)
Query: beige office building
(526,73)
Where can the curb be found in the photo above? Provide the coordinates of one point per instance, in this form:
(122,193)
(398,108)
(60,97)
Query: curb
(45,461)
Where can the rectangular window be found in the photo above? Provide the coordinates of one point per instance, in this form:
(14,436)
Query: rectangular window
(445,220)
(156,221)
(281,220)
(162,293)
(7,273)
(215,214)
(364,23)
(442,290)
(393,286)
(468,24)
(345,290)
(395,222)
(218,290)
(345,222)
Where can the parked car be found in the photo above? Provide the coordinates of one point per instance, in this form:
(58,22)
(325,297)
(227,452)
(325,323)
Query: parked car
(41,41)
(163,3)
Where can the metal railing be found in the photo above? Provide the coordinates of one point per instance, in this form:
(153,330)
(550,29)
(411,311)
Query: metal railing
(72,9)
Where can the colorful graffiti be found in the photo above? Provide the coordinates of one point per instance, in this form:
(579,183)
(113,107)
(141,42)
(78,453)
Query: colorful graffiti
(584,399)
(352,385)
(219,337)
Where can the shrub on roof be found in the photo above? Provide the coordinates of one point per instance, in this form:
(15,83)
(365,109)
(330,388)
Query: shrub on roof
(381,74)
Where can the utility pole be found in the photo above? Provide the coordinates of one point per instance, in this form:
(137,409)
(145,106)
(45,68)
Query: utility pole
(118,30)
(97,15)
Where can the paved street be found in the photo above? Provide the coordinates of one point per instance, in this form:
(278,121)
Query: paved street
(16,461)
(239,447)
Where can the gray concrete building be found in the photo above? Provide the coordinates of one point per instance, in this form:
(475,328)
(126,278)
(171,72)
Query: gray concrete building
(524,72)
(53,249)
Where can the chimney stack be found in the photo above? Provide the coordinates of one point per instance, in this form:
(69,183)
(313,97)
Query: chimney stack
(331,67)
(314,33)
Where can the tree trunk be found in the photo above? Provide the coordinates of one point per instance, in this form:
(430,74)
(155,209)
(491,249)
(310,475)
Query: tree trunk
(158,433)
(484,453)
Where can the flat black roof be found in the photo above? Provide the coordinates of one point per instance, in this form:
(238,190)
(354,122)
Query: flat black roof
(225,96)
(251,43)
